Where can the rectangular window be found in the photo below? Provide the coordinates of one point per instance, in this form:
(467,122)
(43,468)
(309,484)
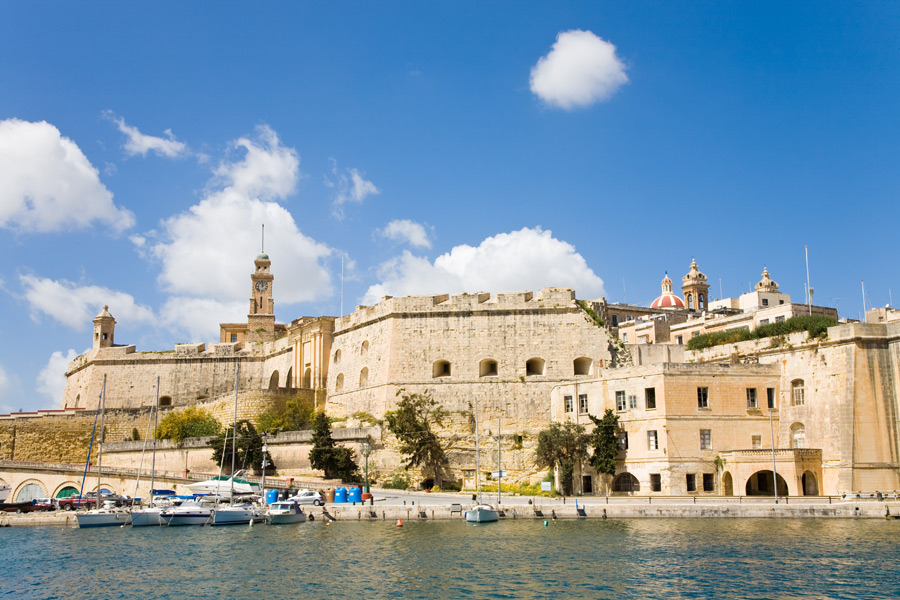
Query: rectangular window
(650,398)
(623,440)
(620,401)
(652,441)
(582,403)
(625,337)
(764,322)
(615,319)
(779,319)
(765,301)
(702,397)
(770,397)
(570,406)
(706,439)
(695,334)
(709,482)
(751,398)
(679,339)
(756,441)
(655,482)
(691,481)
(233,338)
(632,401)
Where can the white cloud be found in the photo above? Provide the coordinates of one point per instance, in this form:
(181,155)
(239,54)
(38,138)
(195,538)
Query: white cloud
(51,381)
(197,319)
(580,70)
(207,252)
(351,187)
(5,385)
(139,143)
(48,184)
(529,259)
(76,306)
(404,230)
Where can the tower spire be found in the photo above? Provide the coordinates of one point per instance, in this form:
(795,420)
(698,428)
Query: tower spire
(262,245)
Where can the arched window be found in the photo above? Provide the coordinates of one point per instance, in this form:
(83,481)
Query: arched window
(798,435)
(534,366)
(364,348)
(582,366)
(364,377)
(798,393)
(165,400)
(440,368)
(337,356)
(339,382)
(701,304)
(690,301)
(488,368)
(289,380)
(273,381)
(626,482)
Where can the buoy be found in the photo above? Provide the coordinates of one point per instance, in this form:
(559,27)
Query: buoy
(399,523)
(327,523)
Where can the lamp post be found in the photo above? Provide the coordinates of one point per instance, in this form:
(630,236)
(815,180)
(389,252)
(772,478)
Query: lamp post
(365,448)
(265,462)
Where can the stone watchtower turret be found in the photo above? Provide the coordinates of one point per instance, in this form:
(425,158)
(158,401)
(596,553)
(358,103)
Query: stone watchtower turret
(261,319)
(104,329)
(695,288)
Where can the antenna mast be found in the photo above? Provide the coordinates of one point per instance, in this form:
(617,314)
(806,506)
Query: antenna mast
(262,245)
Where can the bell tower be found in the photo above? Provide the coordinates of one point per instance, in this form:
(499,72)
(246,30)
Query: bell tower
(261,319)
(695,289)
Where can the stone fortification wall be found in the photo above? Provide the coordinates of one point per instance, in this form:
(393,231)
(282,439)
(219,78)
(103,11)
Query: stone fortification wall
(190,373)
(850,395)
(444,345)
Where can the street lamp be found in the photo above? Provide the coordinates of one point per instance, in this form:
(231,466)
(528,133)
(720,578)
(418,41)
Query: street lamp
(365,448)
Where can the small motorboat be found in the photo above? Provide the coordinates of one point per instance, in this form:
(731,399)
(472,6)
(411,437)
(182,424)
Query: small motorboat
(286,511)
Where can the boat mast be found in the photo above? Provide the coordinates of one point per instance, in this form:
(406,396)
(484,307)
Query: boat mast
(153,460)
(499,466)
(237,373)
(477,457)
(100,440)
(137,481)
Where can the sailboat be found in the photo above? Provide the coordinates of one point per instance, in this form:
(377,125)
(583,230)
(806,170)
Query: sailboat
(245,512)
(102,516)
(143,517)
(481,512)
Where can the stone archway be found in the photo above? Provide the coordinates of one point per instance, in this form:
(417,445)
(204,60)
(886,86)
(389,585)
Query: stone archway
(808,484)
(728,484)
(273,381)
(289,380)
(760,484)
(30,489)
(66,490)
(626,482)
(307,379)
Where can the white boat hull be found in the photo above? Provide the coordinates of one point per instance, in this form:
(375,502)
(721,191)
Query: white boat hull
(282,513)
(236,515)
(102,518)
(186,515)
(148,517)
(482,514)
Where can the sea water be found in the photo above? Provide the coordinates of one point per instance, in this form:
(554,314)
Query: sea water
(649,558)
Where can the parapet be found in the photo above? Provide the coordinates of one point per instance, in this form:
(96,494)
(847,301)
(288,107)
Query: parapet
(189,349)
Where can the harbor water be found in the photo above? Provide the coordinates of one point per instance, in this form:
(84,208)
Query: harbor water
(647,558)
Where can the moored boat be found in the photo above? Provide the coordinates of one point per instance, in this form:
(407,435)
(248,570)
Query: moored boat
(286,511)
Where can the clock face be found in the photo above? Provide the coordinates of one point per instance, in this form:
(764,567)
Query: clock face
(262,286)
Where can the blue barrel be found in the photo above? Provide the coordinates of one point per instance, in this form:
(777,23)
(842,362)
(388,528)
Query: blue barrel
(355,494)
(340,495)
(271,496)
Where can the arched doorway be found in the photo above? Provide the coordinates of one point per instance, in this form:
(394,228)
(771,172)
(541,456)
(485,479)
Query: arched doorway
(307,379)
(30,490)
(273,381)
(67,491)
(728,484)
(626,482)
(289,381)
(760,484)
(809,484)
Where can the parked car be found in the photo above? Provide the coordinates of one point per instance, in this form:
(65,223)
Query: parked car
(308,497)
(75,502)
(16,507)
(45,504)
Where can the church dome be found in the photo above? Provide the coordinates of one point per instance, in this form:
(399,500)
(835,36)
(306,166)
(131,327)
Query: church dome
(262,256)
(667,299)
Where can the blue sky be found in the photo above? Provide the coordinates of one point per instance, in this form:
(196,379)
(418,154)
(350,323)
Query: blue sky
(435,147)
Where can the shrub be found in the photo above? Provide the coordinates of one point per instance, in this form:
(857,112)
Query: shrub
(295,415)
(816,326)
(398,480)
(190,422)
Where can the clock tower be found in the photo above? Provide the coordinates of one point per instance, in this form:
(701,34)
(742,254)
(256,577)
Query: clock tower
(261,320)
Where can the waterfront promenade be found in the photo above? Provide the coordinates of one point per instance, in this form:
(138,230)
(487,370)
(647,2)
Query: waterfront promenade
(391,505)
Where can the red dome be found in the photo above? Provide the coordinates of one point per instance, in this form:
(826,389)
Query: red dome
(668,301)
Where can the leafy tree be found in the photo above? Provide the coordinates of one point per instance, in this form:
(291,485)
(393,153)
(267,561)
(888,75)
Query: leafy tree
(412,424)
(248,449)
(190,422)
(605,444)
(338,462)
(561,446)
(295,415)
